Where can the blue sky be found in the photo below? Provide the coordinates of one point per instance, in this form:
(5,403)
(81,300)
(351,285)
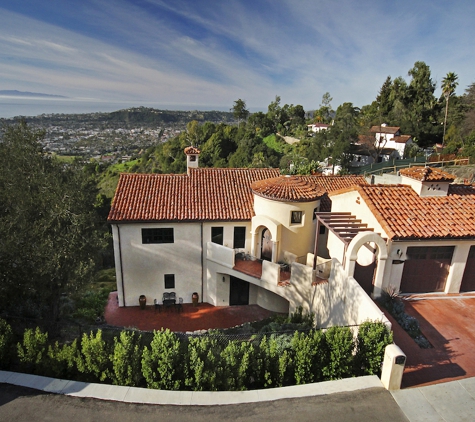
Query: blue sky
(210,53)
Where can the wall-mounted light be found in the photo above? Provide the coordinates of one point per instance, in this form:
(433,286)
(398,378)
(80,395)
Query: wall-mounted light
(224,279)
(399,253)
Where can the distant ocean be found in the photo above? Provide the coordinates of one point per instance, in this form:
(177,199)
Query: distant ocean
(28,107)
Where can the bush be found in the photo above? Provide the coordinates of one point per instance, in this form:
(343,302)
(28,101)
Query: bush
(6,343)
(373,337)
(202,362)
(32,351)
(235,368)
(160,363)
(126,360)
(310,356)
(340,359)
(94,360)
(273,360)
(63,360)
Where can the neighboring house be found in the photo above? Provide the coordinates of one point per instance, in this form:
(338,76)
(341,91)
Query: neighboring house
(420,238)
(203,232)
(317,127)
(385,143)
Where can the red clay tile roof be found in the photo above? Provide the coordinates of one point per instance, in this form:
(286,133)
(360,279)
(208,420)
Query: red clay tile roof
(427,174)
(404,215)
(288,188)
(384,129)
(192,150)
(333,183)
(402,139)
(204,195)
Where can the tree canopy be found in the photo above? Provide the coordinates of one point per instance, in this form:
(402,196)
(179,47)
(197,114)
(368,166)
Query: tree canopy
(49,227)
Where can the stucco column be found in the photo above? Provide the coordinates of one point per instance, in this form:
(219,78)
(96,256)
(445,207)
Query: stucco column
(253,243)
(275,250)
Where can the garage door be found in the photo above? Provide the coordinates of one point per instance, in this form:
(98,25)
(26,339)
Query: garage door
(468,280)
(426,269)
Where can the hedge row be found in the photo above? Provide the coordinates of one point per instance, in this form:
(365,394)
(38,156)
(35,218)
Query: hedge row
(201,363)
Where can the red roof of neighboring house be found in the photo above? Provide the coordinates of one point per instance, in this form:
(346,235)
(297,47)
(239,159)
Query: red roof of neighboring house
(404,215)
(427,174)
(207,194)
(384,129)
(402,139)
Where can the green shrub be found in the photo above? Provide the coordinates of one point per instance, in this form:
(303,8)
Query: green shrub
(160,363)
(340,359)
(273,361)
(126,360)
(94,360)
(6,343)
(63,360)
(202,363)
(310,356)
(373,337)
(235,366)
(32,351)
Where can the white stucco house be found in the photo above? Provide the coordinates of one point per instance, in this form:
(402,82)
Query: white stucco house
(387,140)
(317,127)
(234,236)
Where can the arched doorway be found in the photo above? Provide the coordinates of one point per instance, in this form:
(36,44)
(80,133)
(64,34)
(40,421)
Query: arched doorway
(266,245)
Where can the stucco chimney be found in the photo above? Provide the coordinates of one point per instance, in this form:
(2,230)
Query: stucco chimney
(192,155)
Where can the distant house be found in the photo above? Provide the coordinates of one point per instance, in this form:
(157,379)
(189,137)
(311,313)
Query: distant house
(385,143)
(317,127)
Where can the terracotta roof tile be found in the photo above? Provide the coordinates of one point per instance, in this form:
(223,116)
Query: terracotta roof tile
(288,188)
(192,150)
(384,129)
(427,174)
(404,215)
(204,195)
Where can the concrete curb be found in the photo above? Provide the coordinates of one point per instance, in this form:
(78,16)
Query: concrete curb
(183,398)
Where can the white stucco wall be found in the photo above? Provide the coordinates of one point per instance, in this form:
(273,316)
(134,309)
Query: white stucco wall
(427,188)
(228,232)
(140,268)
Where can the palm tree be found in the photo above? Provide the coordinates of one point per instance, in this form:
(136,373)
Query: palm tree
(449,83)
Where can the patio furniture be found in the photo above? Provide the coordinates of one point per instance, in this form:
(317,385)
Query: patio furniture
(179,305)
(157,305)
(169,300)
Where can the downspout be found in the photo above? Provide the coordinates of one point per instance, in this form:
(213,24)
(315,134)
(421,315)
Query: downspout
(202,261)
(121,267)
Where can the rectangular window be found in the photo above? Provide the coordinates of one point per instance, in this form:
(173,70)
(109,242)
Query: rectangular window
(158,235)
(296,217)
(217,235)
(239,237)
(169,281)
(322,229)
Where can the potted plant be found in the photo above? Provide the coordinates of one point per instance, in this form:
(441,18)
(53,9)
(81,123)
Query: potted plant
(142,301)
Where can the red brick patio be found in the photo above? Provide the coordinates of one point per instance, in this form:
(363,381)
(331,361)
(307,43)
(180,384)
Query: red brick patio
(202,317)
(447,322)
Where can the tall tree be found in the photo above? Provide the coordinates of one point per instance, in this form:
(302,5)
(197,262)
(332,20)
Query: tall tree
(449,83)
(240,112)
(49,238)
(325,112)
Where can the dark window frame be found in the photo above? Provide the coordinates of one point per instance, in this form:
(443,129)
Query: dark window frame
(158,235)
(296,217)
(239,237)
(169,281)
(217,232)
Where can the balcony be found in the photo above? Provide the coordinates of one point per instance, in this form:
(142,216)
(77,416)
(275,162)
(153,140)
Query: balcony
(252,266)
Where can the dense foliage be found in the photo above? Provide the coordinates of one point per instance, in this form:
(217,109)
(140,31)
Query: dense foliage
(205,363)
(50,229)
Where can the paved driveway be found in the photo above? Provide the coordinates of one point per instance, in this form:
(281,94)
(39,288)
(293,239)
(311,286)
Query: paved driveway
(448,323)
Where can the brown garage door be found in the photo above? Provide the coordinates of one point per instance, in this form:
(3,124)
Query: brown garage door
(468,280)
(426,269)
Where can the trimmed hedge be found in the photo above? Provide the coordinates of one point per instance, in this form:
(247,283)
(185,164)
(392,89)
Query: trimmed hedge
(204,363)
